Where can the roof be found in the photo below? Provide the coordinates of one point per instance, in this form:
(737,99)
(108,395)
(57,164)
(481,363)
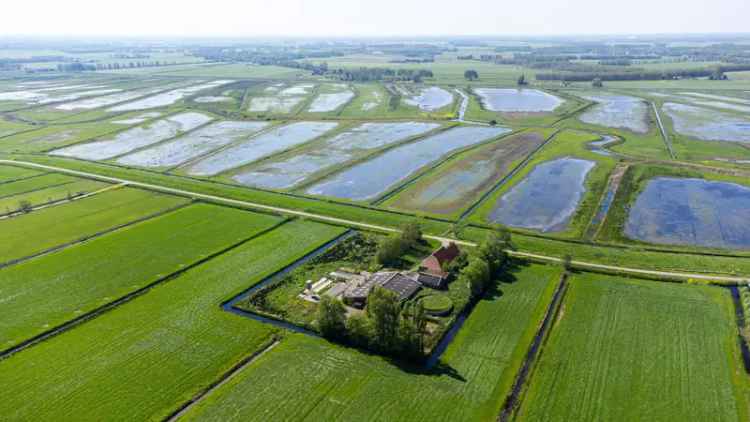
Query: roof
(402,285)
(446,253)
(434,263)
(430,280)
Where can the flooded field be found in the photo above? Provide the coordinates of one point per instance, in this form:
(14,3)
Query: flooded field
(274,141)
(274,104)
(617,111)
(96,102)
(167,98)
(691,212)
(339,149)
(213,99)
(135,138)
(431,99)
(137,119)
(55,94)
(547,198)
(717,97)
(707,124)
(330,102)
(511,100)
(457,185)
(723,105)
(193,145)
(372,178)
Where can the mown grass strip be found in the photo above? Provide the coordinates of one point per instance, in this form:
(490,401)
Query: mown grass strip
(158,350)
(41,294)
(46,229)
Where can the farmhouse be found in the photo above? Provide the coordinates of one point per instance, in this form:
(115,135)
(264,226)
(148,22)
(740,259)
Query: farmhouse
(432,267)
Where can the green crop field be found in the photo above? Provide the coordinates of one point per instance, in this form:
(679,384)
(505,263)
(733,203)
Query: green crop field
(11,173)
(637,350)
(41,230)
(46,195)
(155,352)
(317,381)
(57,287)
(33,184)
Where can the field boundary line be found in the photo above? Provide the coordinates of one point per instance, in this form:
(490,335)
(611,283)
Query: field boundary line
(62,201)
(223,379)
(351,223)
(664,136)
(57,185)
(70,324)
(500,183)
(525,372)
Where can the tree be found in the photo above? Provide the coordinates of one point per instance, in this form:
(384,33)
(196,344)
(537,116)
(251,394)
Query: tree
(384,310)
(567,262)
(522,80)
(492,251)
(477,275)
(597,83)
(471,75)
(359,330)
(24,206)
(332,318)
(411,331)
(412,234)
(390,250)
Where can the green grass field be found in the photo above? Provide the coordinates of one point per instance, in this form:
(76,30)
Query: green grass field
(55,288)
(306,378)
(33,184)
(38,231)
(11,173)
(50,194)
(143,359)
(637,350)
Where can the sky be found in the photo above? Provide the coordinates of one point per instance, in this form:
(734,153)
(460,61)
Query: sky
(325,18)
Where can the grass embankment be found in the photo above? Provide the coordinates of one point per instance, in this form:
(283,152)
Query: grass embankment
(157,351)
(53,289)
(641,257)
(316,380)
(628,350)
(41,230)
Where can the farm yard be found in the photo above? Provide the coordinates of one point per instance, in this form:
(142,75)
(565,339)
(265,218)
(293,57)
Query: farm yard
(375,231)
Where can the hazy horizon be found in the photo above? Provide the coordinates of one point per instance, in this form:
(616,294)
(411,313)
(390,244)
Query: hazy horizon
(385,18)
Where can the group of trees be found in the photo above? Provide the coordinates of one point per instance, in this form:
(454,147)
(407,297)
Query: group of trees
(392,248)
(716,72)
(367,74)
(389,327)
(471,75)
(385,327)
(486,264)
